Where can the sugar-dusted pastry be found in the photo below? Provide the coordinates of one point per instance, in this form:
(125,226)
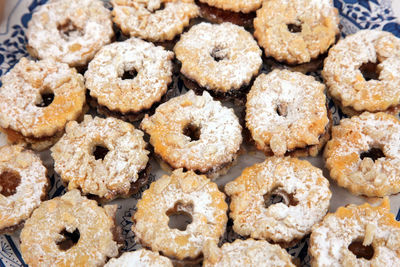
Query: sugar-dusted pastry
(23,186)
(220,58)
(356,236)
(304,194)
(69,31)
(181,192)
(286,113)
(129,77)
(248,252)
(102,157)
(362,72)
(37,99)
(196,133)
(70,231)
(296,31)
(140,258)
(153,20)
(364,154)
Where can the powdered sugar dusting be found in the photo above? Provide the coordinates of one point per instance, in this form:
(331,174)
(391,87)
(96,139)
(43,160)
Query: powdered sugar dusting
(288,105)
(18,207)
(208,214)
(330,239)
(42,232)
(240,56)
(345,80)
(251,253)
(109,177)
(279,222)
(357,135)
(152,64)
(220,132)
(244,6)
(148,20)
(89,21)
(140,258)
(21,91)
(317,23)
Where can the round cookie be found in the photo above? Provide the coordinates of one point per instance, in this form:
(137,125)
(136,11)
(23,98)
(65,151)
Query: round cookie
(153,20)
(248,252)
(244,6)
(23,186)
(195,133)
(364,154)
(38,98)
(69,31)
(217,15)
(109,76)
(140,258)
(305,198)
(187,193)
(219,58)
(296,31)
(101,157)
(69,231)
(357,236)
(362,72)
(286,111)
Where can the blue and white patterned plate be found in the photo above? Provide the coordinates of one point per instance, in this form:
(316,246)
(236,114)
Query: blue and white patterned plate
(355,15)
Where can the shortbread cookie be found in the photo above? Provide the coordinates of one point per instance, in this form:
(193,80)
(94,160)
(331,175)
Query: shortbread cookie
(70,231)
(38,98)
(285,111)
(220,57)
(69,31)
(305,198)
(153,20)
(187,193)
(296,31)
(362,72)
(102,157)
(364,154)
(129,76)
(140,258)
(23,186)
(357,236)
(195,133)
(248,252)
(244,6)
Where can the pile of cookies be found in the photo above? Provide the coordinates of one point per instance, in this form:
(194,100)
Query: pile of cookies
(119,66)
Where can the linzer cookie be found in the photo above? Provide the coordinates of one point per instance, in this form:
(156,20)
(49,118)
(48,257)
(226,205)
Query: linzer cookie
(129,77)
(239,12)
(296,31)
(220,58)
(357,236)
(37,99)
(362,72)
(153,20)
(248,252)
(196,133)
(102,157)
(140,258)
(69,31)
(364,154)
(304,192)
(286,113)
(23,186)
(182,192)
(70,231)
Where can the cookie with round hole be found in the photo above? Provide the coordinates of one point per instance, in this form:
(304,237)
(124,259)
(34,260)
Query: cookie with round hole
(37,99)
(104,158)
